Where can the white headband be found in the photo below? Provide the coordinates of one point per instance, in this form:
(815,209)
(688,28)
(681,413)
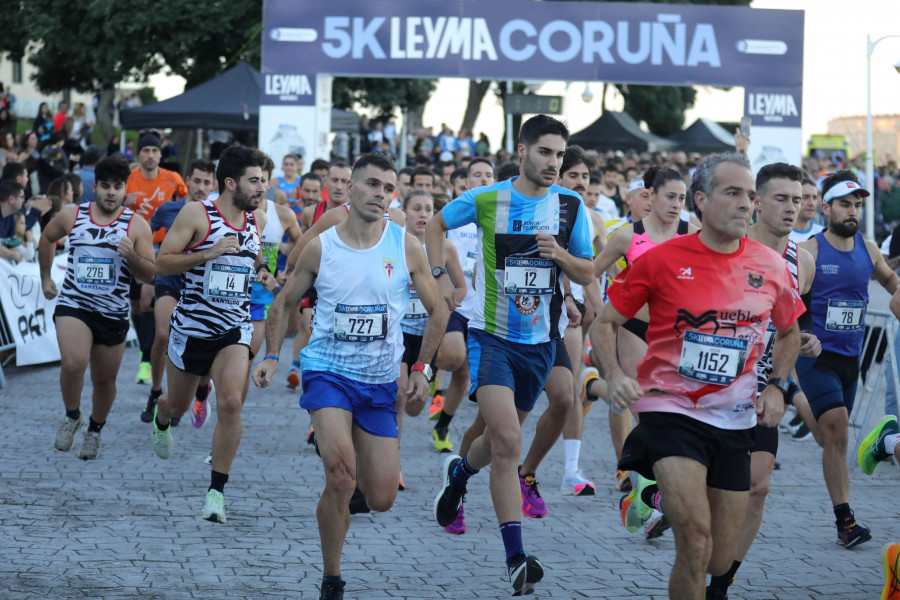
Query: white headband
(842,189)
(636,184)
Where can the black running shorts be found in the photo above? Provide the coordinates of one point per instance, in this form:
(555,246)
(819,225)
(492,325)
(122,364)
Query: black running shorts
(106,332)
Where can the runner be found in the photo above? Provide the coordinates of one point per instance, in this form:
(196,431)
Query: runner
(149,187)
(216,245)
(778,202)
(838,298)
(520,263)
(351,364)
(806,226)
(108,247)
(694,388)
(167,292)
(288,182)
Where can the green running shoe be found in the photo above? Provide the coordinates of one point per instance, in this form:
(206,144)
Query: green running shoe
(871,451)
(635,512)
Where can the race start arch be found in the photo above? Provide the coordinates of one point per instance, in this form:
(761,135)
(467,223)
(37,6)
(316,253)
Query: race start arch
(307,42)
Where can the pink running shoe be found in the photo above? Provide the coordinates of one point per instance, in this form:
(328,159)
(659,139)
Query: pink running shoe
(533,505)
(458,526)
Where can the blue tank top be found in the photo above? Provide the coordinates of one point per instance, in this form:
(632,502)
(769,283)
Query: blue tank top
(840,294)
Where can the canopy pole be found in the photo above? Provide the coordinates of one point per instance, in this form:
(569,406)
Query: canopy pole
(199,143)
(404,124)
(509,121)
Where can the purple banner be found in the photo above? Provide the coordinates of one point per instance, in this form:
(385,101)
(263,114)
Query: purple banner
(773,107)
(503,39)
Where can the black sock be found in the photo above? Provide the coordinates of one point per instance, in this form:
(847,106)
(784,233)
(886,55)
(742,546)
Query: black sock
(440,392)
(94,425)
(155,394)
(202,392)
(146,332)
(74,414)
(648,493)
(721,582)
(444,420)
(332,579)
(159,425)
(842,512)
(217,481)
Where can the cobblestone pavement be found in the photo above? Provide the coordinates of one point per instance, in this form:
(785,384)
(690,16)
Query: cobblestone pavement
(128,525)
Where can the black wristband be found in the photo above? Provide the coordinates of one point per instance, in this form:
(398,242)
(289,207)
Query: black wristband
(569,295)
(261,267)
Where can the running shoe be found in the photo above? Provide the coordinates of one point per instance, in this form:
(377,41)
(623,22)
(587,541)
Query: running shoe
(332,591)
(143,374)
(401,487)
(656,525)
(147,414)
(449,500)
(634,512)
(524,571)
(65,435)
(214,508)
(441,437)
(293,379)
(458,526)
(533,505)
(890,557)
(851,533)
(587,352)
(794,424)
(358,503)
(623,480)
(90,447)
(200,408)
(437,405)
(872,450)
(588,374)
(311,436)
(576,484)
(162,440)
(802,433)
(716,593)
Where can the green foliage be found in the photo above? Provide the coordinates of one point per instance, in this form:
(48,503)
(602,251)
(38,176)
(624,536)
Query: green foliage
(382,94)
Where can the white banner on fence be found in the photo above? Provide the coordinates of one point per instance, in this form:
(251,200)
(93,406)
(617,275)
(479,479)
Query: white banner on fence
(29,314)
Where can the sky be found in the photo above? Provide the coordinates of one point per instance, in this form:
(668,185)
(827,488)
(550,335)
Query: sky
(834,73)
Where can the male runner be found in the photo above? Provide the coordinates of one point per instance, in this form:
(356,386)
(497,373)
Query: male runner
(362,269)
(710,296)
(108,247)
(531,232)
(216,245)
(806,226)
(422,179)
(168,290)
(149,186)
(845,262)
(310,190)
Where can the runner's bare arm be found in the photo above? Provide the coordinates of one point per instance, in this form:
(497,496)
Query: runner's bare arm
(333,217)
(623,391)
(616,247)
(454,270)
(397,216)
(577,269)
(296,285)
(438,314)
(137,249)
(190,228)
(882,273)
(56,229)
(434,244)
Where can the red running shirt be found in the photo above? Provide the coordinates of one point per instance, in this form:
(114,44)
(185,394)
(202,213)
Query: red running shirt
(708,317)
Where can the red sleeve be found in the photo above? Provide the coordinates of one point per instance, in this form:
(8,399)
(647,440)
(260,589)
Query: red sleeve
(788,305)
(629,295)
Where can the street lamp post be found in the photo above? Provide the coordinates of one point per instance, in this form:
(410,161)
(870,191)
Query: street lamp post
(870,169)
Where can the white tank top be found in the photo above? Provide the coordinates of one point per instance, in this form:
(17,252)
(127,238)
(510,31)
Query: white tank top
(416,316)
(271,237)
(362,297)
(465,239)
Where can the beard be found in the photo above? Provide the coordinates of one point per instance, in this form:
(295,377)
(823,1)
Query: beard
(243,200)
(533,174)
(845,229)
(108,211)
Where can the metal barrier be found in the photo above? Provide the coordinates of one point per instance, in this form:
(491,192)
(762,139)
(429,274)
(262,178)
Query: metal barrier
(881,328)
(6,343)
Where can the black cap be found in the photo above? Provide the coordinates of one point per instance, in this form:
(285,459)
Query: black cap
(149,139)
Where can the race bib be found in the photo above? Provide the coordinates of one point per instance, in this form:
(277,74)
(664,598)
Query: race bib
(713,359)
(529,276)
(95,271)
(469,268)
(227,281)
(360,323)
(845,315)
(415,309)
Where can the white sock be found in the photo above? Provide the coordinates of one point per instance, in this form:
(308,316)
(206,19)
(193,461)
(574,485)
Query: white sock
(890,444)
(573,450)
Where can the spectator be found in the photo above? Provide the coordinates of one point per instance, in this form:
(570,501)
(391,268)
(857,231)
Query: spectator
(24,240)
(81,126)
(61,188)
(7,148)
(53,163)
(60,116)
(12,197)
(76,185)
(483,147)
(43,122)
(89,159)
(890,199)
(7,122)
(465,145)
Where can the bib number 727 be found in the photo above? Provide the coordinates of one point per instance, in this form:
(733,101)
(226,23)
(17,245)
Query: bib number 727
(360,323)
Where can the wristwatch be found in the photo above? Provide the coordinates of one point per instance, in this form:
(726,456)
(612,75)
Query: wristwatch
(783,385)
(425,369)
(438,271)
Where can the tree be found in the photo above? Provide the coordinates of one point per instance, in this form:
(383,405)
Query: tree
(384,95)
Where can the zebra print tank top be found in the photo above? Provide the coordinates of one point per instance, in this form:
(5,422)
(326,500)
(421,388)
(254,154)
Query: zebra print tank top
(764,364)
(97,277)
(216,296)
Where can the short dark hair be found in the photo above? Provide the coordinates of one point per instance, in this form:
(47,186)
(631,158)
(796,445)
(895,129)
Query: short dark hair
(113,169)
(319,163)
(267,164)
(573,157)
(11,170)
(406,171)
(539,125)
(9,187)
(312,177)
(610,167)
(413,193)
(234,162)
(421,171)
(507,171)
(339,164)
(777,170)
(594,180)
(202,165)
(836,178)
(460,173)
(379,160)
(807,180)
(656,177)
(475,161)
